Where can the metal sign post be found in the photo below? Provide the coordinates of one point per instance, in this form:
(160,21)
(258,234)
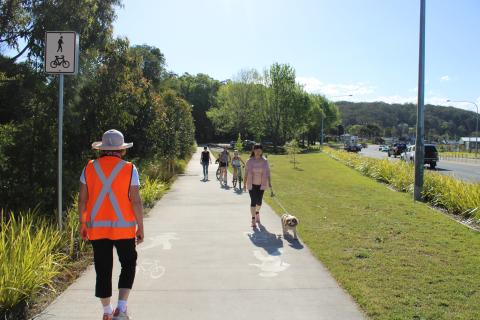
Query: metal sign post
(419,142)
(61,57)
(60,149)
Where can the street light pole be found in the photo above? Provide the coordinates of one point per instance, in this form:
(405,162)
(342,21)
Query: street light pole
(323,117)
(476,125)
(321,137)
(419,141)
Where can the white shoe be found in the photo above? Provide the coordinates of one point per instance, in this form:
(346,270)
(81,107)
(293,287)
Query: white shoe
(118,315)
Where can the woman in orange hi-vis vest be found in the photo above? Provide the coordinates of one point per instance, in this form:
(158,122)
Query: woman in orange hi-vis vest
(111,215)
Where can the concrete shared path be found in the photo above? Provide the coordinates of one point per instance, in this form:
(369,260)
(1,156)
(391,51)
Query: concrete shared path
(202,261)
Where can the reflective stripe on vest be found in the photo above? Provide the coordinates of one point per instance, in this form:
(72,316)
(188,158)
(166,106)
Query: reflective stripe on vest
(107,189)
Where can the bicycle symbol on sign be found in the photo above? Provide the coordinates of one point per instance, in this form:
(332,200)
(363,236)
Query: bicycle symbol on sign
(60,61)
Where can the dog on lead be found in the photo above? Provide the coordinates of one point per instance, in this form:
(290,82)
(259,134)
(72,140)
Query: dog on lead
(289,222)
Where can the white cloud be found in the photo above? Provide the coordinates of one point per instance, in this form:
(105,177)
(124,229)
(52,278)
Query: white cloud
(437,100)
(465,105)
(395,99)
(313,85)
(362,92)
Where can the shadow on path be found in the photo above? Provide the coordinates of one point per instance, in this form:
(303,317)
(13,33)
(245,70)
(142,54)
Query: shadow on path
(266,240)
(294,243)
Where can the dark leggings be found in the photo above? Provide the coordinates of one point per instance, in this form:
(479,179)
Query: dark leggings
(103,259)
(256,195)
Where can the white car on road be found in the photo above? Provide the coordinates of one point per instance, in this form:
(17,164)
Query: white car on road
(431,155)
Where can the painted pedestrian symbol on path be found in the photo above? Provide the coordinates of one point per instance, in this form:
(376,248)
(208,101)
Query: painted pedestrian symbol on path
(60,44)
(270,266)
(160,240)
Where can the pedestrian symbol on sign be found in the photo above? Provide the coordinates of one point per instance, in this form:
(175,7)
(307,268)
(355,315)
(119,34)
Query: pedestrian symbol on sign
(60,44)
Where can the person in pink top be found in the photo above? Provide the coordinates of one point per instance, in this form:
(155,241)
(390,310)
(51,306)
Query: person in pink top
(257,178)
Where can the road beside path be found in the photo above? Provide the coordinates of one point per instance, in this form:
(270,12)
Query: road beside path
(467,171)
(201,260)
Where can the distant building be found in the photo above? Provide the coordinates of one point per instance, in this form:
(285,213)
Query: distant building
(469,142)
(388,141)
(451,142)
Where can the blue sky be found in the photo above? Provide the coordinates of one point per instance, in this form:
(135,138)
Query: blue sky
(368,48)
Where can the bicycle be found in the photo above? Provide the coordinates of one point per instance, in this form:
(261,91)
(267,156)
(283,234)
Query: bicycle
(60,61)
(217,174)
(220,174)
(238,178)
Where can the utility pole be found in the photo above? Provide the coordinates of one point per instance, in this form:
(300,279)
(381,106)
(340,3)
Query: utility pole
(323,116)
(419,142)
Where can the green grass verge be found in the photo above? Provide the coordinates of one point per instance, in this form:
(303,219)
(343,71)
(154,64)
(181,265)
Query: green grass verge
(397,258)
(455,196)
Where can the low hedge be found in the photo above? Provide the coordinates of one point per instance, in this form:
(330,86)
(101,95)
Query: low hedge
(455,196)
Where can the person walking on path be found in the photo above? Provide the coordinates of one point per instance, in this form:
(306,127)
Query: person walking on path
(205,161)
(111,215)
(224,159)
(257,176)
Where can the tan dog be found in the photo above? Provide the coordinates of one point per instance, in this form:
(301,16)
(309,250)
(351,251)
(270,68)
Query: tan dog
(289,222)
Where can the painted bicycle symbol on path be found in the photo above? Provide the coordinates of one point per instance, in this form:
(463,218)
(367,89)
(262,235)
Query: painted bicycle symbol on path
(60,61)
(151,268)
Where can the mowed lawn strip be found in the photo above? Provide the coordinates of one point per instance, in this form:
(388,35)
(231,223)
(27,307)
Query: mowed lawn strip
(398,259)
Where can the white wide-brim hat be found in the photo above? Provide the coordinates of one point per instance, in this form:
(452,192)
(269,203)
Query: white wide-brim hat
(112,140)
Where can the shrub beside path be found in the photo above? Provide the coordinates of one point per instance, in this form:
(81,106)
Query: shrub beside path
(201,260)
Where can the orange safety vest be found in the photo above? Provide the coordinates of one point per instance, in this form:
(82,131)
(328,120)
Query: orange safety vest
(109,212)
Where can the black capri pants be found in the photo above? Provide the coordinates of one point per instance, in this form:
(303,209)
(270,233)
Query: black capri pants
(256,195)
(103,260)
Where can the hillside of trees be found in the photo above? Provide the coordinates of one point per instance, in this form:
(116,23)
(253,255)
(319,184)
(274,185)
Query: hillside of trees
(400,119)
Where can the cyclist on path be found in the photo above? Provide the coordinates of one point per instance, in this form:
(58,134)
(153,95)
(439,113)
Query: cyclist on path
(111,215)
(224,159)
(236,163)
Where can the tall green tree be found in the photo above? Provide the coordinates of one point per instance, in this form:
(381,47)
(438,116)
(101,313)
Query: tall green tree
(200,91)
(240,104)
(23,23)
(279,111)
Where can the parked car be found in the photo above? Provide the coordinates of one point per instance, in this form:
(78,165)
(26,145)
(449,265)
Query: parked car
(397,149)
(232,144)
(380,147)
(267,143)
(248,144)
(385,148)
(353,148)
(430,156)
